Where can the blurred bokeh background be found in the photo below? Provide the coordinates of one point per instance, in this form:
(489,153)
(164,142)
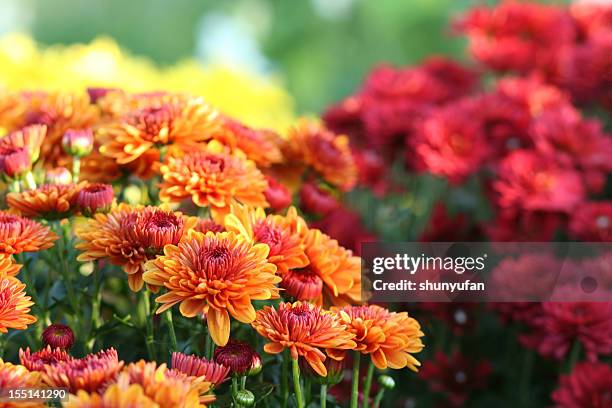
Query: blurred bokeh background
(320,50)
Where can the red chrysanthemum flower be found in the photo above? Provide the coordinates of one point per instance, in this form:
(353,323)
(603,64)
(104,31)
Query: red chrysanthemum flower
(589,385)
(213,179)
(277,195)
(95,198)
(306,330)
(195,366)
(389,338)
(49,201)
(46,357)
(561,324)
(533,182)
(58,335)
(18,234)
(129,236)
(238,356)
(90,373)
(14,305)
(14,162)
(456,376)
(286,248)
(592,221)
(217,274)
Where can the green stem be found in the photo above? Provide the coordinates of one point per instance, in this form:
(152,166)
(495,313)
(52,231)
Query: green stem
(96,302)
(171,332)
(148,323)
(15,186)
(76,169)
(323,394)
(379,397)
(235,389)
(243,381)
(296,383)
(355,388)
(368,385)
(284,379)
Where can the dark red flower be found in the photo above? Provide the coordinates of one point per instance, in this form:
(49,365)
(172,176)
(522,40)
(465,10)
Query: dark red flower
(315,200)
(456,376)
(514,225)
(589,385)
(444,227)
(58,336)
(532,93)
(592,221)
(277,195)
(373,171)
(517,36)
(561,324)
(238,356)
(533,182)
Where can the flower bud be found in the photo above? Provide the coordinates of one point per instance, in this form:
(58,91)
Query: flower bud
(58,175)
(256,366)
(78,143)
(14,161)
(315,200)
(238,356)
(58,336)
(95,198)
(277,195)
(245,398)
(386,382)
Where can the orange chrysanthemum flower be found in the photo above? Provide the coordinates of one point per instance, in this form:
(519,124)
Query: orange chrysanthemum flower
(329,154)
(217,274)
(304,329)
(30,137)
(168,388)
(261,146)
(194,366)
(43,358)
(98,168)
(60,112)
(117,395)
(286,248)
(129,236)
(15,377)
(8,267)
(18,234)
(90,373)
(213,178)
(49,201)
(14,305)
(389,338)
(336,267)
(180,122)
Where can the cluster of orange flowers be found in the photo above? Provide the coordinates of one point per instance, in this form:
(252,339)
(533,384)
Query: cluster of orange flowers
(246,244)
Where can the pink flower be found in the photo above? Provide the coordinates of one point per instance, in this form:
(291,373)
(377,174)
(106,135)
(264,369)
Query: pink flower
(589,385)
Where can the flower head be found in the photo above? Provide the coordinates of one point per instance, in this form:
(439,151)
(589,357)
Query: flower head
(50,201)
(42,358)
(168,120)
(129,236)
(78,143)
(258,145)
(14,305)
(89,373)
(118,395)
(304,329)
(8,267)
(213,179)
(588,385)
(17,376)
(389,338)
(59,336)
(194,366)
(217,274)
(238,356)
(14,161)
(277,195)
(18,234)
(29,137)
(286,248)
(95,198)
(328,153)
(592,221)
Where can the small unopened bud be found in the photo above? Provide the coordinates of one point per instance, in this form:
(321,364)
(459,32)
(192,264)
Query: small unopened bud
(316,200)
(236,355)
(95,198)
(58,175)
(15,161)
(256,365)
(78,143)
(386,382)
(58,336)
(245,398)
(277,195)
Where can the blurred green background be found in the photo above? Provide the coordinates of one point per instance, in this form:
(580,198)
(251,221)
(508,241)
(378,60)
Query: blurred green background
(321,49)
